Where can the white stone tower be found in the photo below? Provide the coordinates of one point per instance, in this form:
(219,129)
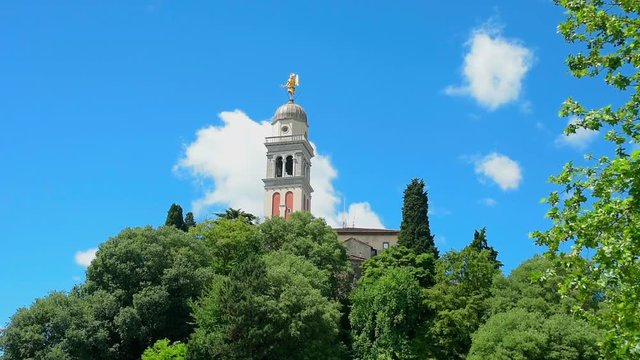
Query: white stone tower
(287,184)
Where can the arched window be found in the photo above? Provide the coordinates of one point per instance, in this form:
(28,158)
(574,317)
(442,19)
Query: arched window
(275,204)
(279,166)
(288,167)
(288,201)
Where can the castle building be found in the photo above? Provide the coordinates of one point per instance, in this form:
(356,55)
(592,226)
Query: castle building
(287,182)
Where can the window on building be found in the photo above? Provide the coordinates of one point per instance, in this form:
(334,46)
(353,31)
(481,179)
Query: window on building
(275,204)
(385,245)
(288,167)
(288,201)
(279,166)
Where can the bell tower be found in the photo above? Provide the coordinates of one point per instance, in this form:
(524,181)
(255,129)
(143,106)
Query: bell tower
(287,183)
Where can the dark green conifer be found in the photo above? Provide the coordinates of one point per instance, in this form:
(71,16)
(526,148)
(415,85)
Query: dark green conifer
(480,243)
(174,217)
(414,229)
(189,221)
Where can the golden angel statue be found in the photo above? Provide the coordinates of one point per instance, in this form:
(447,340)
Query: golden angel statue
(292,83)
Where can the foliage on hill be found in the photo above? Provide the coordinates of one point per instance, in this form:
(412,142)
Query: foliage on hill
(269,307)
(163,350)
(520,334)
(138,290)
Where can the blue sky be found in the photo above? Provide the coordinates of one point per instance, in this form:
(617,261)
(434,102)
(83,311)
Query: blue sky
(113,110)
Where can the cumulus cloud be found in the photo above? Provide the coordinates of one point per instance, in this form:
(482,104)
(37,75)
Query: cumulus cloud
(579,140)
(360,213)
(230,161)
(501,170)
(493,68)
(84,258)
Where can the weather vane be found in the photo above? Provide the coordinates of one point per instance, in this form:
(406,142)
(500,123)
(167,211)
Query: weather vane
(292,83)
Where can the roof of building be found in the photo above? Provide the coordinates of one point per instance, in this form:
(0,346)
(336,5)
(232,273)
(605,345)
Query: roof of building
(290,110)
(360,241)
(354,230)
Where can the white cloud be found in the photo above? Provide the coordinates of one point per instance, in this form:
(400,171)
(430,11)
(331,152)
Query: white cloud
(493,69)
(501,169)
(84,258)
(361,215)
(233,157)
(490,202)
(579,140)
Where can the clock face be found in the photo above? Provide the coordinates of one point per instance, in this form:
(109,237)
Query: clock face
(285,129)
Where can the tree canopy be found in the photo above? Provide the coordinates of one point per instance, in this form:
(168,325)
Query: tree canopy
(520,334)
(386,316)
(269,307)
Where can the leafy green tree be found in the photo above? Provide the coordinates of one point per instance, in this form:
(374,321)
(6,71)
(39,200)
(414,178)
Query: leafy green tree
(414,228)
(174,217)
(422,266)
(598,209)
(480,243)
(458,301)
(385,317)
(164,350)
(522,335)
(152,275)
(269,307)
(189,221)
(313,239)
(229,241)
(231,214)
(534,286)
(59,326)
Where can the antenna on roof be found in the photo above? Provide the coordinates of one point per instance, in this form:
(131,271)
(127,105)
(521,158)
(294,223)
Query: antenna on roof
(344,213)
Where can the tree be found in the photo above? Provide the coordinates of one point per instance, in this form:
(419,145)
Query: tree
(174,217)
(313,239)
(59,326)
(598,209)
(534,286)
(164,350)
(386,314)
(480,243)
(189,221)
(229,241)
(421,266)
(458,301)
(231,214)
(269,307)
(519,334)
(414,228)
(152,275)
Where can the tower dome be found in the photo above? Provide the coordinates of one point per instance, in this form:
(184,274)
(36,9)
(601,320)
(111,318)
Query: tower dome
(291,111)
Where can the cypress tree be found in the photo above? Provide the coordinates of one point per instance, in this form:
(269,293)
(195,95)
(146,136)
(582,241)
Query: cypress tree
(189,222)
(174,217)
(414,229)
(480,243)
